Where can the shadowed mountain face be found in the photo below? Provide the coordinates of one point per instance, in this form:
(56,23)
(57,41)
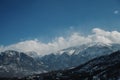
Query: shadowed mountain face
(14,64)
(106,67)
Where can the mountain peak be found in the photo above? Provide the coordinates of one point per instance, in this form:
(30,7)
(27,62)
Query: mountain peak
(99,44)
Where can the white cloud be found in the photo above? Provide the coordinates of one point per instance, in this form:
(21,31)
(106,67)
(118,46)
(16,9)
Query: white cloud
(98,35)
(116,12)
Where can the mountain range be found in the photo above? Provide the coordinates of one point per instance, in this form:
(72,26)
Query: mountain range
(21,64)
(105,67)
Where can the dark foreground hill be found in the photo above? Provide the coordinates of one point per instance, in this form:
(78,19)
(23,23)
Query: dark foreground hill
(102,68)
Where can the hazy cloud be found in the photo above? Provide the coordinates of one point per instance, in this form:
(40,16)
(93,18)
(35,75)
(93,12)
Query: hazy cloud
(98,35)
(116,12)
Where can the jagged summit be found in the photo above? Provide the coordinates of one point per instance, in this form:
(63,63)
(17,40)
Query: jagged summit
(80,48)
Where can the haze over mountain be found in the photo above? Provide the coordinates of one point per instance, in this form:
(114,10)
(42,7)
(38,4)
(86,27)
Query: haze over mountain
(76,39)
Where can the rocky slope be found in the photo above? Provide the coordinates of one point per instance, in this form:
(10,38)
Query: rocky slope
(75,56)
(106,67)
(17,64)
(13,63)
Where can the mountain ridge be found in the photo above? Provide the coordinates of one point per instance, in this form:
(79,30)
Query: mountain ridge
(14,64)
(105,67)
(81,54)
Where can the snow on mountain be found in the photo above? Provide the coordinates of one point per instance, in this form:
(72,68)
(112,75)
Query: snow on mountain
(14,64)
(28,63)
(105,67)
(77,55)
(79,49)
(32,54)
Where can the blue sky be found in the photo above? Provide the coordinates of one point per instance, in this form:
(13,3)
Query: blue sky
(47,19)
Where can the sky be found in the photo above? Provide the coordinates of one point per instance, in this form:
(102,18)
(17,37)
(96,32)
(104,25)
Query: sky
(46,20)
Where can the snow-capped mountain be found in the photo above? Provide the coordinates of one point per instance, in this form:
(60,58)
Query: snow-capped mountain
(77,55)
(20,63)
